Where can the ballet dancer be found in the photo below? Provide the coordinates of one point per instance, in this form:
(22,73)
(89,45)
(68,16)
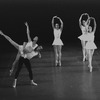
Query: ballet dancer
(90,45)
(34,53)
(23,59)
(29,46)
(32,44)
(57,43)
(84,28)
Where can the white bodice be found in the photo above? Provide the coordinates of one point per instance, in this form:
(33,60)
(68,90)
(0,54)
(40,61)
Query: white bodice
(57,33)
(84,30)
(90,37)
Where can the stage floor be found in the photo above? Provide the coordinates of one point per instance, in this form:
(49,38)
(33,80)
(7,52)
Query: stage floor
(71,81)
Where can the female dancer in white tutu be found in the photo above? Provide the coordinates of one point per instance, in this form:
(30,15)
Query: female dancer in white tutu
(84,28)
(28,46)
(24,58)
(90,45)
(57,43)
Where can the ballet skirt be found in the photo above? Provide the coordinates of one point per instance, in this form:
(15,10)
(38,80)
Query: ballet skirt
(57,40)
(83,37)
(90,43)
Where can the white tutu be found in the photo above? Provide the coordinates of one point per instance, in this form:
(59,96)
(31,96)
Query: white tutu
(90,45)
(83,37)
(57,42)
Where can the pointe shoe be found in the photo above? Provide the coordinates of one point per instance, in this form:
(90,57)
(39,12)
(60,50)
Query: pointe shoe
(33,83)
(14,84)
(56,63)
(59,63)
(91,69)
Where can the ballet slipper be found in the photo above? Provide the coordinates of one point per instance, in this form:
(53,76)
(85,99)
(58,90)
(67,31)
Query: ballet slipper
(91,69)
(33,83)
(59,63)
(14,84)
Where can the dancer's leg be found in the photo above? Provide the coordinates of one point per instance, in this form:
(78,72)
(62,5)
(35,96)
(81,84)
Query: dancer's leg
(90,60)
(86,54)
(28,66)
(10,40)
(21,60)
(13,65)
(56,55)
(59,54)
(92,51)
(83,49)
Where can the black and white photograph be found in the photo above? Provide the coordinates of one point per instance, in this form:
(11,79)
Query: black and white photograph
(49,50)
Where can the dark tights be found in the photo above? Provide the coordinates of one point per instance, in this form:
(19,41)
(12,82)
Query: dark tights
(28,66)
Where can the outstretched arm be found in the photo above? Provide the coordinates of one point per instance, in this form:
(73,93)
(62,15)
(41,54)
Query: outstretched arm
(28,32)
(61,23)
(10,40)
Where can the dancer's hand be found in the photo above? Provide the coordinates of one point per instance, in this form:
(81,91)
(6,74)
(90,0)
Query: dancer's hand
(40,55)
(59,19)
(26,23)
(11,71)
(85,13)
(40,47)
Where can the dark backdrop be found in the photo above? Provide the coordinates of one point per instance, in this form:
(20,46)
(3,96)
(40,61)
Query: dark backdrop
(38,14)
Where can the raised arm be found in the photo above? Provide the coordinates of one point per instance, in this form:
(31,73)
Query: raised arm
(53,21)
(61,23)
(80,24)
(10,40)
(95,25)
(28,32)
